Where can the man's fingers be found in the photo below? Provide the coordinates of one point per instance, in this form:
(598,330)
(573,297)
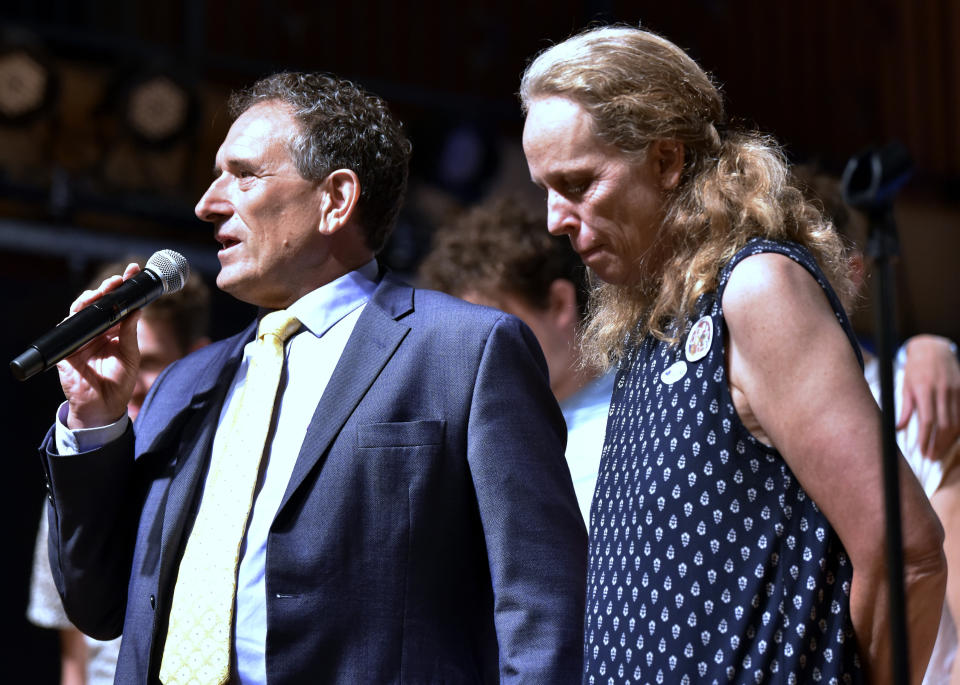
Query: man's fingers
(86,297)
(944,418)
(108,284)
(132,269)
(906,409)
(948,426)
(127,332)
(926,416)
(955,409)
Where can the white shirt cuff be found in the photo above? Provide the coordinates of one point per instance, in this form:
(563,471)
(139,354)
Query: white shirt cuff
(84,439)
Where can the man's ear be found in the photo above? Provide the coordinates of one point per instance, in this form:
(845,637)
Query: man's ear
(340,191)
(666,156)
(562,304)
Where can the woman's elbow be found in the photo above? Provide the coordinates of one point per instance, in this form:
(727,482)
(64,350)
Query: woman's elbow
(923,556)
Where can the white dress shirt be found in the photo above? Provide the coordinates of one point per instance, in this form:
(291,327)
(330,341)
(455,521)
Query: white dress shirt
(586,415)
(930,472)
(328,315)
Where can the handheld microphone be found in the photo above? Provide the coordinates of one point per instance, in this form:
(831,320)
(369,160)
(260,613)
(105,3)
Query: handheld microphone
(165,272)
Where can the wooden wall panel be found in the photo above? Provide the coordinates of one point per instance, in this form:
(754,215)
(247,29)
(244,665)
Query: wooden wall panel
(831,77)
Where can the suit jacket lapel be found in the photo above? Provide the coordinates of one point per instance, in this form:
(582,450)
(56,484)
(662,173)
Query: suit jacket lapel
(199,418)
(374,340)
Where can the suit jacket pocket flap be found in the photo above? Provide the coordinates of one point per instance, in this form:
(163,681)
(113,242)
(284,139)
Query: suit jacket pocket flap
(400,434)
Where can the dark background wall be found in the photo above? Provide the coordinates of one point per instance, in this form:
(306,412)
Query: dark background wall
(78,183)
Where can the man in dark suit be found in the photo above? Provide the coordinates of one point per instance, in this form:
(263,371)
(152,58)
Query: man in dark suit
(412,518)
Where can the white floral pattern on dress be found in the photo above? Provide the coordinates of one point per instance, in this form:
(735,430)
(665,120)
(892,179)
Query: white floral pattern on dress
(708,561)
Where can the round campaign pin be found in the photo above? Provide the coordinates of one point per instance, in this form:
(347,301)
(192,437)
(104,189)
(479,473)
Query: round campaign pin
(699,339)
(674,372)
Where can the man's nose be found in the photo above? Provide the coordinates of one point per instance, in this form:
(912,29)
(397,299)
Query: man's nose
(214,205)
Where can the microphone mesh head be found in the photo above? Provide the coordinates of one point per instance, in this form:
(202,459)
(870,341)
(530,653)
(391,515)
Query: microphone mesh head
(172,269)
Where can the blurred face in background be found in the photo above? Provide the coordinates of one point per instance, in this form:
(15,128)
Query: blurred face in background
(158,349)
(554,326)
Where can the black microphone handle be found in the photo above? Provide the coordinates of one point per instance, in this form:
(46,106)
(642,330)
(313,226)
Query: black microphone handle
(76,331)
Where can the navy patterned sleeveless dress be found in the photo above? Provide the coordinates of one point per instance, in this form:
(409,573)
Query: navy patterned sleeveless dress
(708,561)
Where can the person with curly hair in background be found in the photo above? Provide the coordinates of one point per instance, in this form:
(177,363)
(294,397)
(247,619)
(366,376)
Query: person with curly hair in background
(498,254)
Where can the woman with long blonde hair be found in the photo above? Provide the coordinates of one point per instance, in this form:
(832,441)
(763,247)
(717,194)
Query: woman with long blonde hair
(735,523)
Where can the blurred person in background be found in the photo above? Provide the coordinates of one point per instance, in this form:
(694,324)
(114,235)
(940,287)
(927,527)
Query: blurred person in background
(927,398)
(497,254)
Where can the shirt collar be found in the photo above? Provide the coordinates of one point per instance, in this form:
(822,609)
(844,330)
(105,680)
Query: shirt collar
(320,309)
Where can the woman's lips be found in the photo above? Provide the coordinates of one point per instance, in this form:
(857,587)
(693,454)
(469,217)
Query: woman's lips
(588,252)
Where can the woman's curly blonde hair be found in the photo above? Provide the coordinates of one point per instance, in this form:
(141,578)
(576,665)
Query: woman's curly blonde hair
(638,88)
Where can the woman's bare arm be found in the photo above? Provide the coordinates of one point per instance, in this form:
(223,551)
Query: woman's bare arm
(797,386)
(946,502)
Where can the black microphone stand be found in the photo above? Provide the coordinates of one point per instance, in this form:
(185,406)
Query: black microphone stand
(870,182)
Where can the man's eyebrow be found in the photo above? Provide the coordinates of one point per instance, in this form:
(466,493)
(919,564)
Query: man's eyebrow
(233,164)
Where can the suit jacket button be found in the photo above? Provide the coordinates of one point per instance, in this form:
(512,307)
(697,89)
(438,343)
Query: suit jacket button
(153,602)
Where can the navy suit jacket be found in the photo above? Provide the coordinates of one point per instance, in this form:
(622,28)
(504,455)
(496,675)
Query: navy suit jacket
(429,532)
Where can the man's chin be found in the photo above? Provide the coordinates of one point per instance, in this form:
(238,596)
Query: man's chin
(232,286)
(229,282)
(245,291)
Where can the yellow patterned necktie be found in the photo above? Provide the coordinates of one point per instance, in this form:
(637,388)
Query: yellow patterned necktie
(197,649)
